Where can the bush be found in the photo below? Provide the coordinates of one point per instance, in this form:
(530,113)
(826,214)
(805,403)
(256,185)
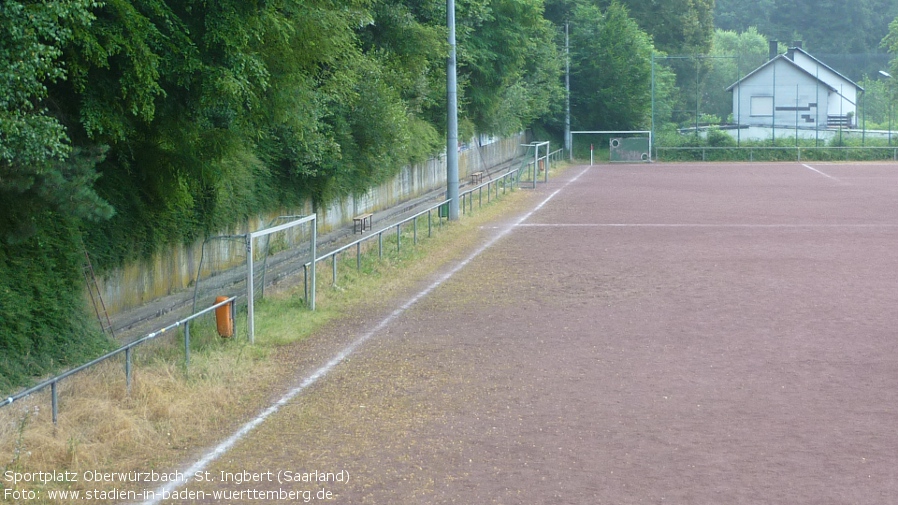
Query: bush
(43,322)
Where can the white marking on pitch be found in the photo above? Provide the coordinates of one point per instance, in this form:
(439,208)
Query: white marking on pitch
(223,447)
(819,172)
(700,225)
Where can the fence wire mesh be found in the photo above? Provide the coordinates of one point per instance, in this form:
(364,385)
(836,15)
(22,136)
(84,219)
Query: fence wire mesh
(789,98)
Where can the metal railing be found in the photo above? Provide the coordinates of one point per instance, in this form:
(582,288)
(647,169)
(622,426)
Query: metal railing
(546,161)
(126,349)
(889,151)
(506,181)
(556,155)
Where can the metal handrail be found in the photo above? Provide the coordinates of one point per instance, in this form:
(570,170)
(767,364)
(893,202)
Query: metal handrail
(124,349)
(464,196)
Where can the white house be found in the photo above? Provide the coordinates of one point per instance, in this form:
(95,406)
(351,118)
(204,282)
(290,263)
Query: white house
(795,90)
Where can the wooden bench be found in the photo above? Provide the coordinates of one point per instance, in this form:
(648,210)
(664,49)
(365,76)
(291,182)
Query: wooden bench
(361,222)
(477,178)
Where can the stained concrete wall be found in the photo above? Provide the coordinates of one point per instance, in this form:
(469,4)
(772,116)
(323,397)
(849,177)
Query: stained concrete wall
(174,269)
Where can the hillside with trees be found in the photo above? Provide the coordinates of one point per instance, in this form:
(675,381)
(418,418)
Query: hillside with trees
(825,26)
(846,35)
(127,125)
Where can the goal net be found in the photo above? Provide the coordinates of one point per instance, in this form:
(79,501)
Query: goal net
(633,146)
(534,164)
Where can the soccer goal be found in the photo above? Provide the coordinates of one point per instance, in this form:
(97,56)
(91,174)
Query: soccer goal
(535,163)
(278,250)
(634,146)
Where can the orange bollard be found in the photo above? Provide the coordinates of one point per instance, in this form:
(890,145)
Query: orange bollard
(223,319)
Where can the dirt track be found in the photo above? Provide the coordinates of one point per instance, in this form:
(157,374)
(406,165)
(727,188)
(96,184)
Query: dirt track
(665,334)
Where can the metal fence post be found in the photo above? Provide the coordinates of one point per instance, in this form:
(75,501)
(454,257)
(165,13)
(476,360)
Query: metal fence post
(313,246)
(358,256)
(250,297)
(187,345)
(128,369)
(54,401)
(233,307)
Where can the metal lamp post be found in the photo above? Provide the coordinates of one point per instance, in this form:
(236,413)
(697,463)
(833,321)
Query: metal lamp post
(452,117)
(889,98)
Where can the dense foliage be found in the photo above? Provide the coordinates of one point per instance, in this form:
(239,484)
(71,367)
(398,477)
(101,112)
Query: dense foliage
(846,35)
(127,125)
(825,26)
(612,45)
(611,70)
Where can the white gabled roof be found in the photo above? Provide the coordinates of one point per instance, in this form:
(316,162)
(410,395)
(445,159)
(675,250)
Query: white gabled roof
(800,68)
(824,65)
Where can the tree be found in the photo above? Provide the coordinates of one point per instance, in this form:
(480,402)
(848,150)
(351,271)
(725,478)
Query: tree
(611,70)
(135,124)
(733,55)
(39,170)
(825,26)
(508,64)
(676,26)
(46,192)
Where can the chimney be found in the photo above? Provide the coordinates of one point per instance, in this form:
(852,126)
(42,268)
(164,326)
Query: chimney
(790,53)
(773,45)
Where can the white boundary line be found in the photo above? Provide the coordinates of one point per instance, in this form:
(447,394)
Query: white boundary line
(701,225)
(223,447)
(819,172)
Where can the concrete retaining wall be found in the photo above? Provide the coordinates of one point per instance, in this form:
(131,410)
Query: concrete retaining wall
(174,269)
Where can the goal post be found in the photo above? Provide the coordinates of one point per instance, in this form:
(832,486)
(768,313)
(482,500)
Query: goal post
(539,163)
(624,146)
(250,270)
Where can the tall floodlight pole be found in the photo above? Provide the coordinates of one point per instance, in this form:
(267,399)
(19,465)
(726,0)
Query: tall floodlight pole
(567,90)
(889,77)
(652,134)
(452,119)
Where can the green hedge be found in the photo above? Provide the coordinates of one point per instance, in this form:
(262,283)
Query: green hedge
(43,324)
(721,146)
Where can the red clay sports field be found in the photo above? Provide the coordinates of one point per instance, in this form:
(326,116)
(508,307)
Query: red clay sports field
(666,333)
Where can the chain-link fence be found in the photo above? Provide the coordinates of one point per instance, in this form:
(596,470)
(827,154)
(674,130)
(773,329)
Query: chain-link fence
(786,97)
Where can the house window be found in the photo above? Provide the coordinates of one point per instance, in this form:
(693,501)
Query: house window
(762,106)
